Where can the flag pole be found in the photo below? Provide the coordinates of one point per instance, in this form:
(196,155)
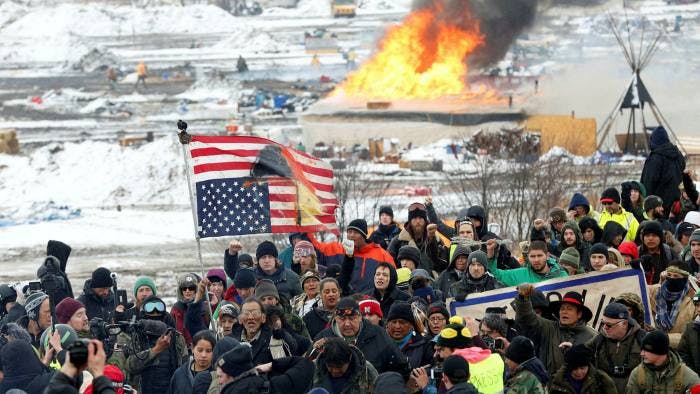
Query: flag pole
(185,140)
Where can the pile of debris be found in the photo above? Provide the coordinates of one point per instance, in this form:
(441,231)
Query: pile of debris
(505,143)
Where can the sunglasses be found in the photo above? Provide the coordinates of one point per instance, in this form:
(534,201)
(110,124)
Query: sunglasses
(610,325)
(154,306)
(189,288)
(416,206)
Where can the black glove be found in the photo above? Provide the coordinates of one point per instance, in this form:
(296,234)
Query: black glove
(278,333)
(636,264)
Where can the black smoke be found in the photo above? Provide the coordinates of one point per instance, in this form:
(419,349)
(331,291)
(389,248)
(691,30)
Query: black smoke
(501,22)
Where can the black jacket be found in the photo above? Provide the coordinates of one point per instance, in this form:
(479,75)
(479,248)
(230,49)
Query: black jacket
(378,348)
(419,351)
(203,380)
(663,172)
(290,375)
(63,384)
(382,235)
(183,379)
(390,295)
(261,346)
(317,320)
(97,306)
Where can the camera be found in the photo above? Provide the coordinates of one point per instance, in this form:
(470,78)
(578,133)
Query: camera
(619,371)
(78,351)
(435,373)
(499,344)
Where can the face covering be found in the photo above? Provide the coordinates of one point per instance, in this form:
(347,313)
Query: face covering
(676,284)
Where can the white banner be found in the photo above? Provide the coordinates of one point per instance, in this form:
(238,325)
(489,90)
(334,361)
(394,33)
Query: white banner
(598,290)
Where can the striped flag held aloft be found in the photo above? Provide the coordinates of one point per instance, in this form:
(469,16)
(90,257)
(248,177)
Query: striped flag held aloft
(251,185)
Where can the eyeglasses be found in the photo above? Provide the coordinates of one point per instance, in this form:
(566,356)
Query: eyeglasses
(438,319)
(154,306)
(415,206)
(251,313)
(610,325)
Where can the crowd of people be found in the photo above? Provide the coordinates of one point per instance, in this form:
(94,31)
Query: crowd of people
(371,314)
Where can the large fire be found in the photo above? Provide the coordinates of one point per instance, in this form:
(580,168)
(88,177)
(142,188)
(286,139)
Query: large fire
(422,58)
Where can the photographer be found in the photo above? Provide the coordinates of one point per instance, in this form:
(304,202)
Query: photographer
(151,350)
(97,296)
(53,280)
(69,379)
(494,331)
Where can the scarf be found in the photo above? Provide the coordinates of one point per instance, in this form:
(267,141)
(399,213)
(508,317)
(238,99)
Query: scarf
(404,341)
(664,319)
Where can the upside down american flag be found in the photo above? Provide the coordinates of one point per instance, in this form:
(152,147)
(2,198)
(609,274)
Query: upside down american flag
(250,185)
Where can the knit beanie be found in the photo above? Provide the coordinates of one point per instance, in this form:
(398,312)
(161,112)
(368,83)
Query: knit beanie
(478,257)
(578,356)
(408,252)
(629,248)
(266,288)
(237,360)
(66,309)
(570,257)
(520,350)
(456,368)
(266,248)
(695,236)
(231,310)
(652,202)
(656,342)
(245,260)
(144,281)
(557,215)
(304,248)
(359,225)
(455,336)
(599,248)
(33,304)
(101,278)
(387,210)
(309,275)
(371,307)
(653,227)
(438,307)
(418,212)
(245,279)
(610,195)
(401,310)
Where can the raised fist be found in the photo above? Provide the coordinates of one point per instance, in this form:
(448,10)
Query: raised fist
(526,289)
(234,247)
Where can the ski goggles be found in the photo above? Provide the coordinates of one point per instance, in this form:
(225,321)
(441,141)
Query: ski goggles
(416,206)
(154,306)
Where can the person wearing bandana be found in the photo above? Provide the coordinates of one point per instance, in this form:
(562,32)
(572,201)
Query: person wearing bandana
(671,302)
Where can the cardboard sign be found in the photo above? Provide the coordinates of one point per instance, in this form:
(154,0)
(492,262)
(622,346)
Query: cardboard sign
(598,290)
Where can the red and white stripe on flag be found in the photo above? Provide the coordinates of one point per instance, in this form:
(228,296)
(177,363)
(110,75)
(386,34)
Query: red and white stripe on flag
(304,202)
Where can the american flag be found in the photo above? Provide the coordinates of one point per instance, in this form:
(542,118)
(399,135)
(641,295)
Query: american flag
(251,185)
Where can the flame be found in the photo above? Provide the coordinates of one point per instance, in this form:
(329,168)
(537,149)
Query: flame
(422,58)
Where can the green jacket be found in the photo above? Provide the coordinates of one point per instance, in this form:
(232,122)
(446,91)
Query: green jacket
(361,379)
(516,276)
(547,334)
(523,382)
(689,346)
(596,382)
(621,353)
(674,378)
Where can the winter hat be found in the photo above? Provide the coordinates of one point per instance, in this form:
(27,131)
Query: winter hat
(309,275)
(478,257)
(347,306)
(188,280)
(652,202)
(653,227)
(634,302)
(145,281)
(390,383)
(401,310)
(695,236)
(557,215)
(216,275)
(520,350)
(359,225)
(7,294)
(684,228)
(599,248)
(573,298)
(693,217)
(237,360)
(417,210)
(229,310)
(658,137)
(438,307)
(456,368)
(570,257)
(610,195)
(115,375)
(33,304)
(304,248)
(420,273)
(579,200)
(629,248)
(245,260)
(387,210)
(410,253)
(245,279)
(371,307)
(656,342)
(455,336)
(615,310)
(66,309)
(266,288)
(426,293)
(578,356)
(266,248)
(101,277)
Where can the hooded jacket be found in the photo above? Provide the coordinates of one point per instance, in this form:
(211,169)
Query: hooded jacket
(663,381)
(204,382)
(378,348)
(612,230)
(579,200)
(626,201)
(595,382)
(20,366)
(97,306)
(529,377)
(548,334)
(450,276)
(382,235)
(391,294)
(429,249)
(583,247)
(586,223)
(663,169)
(183,378)
(286,281)
(516,276)
(361,375)
(609,353)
